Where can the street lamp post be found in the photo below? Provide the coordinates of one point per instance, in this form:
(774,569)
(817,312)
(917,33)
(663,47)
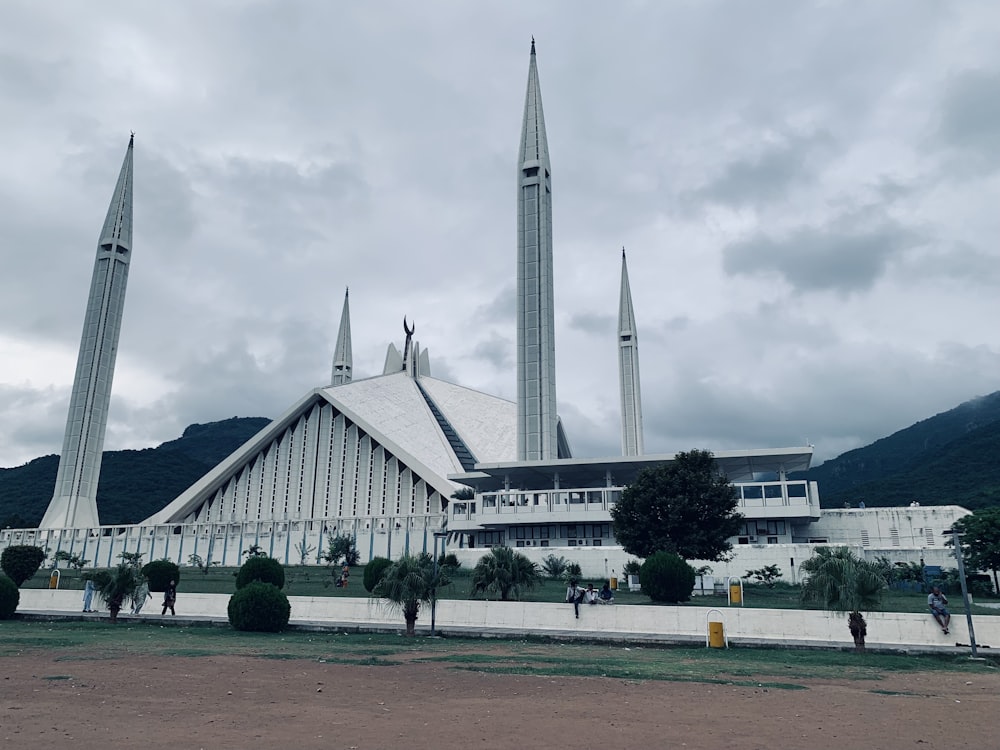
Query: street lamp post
(965,589)
(437,535)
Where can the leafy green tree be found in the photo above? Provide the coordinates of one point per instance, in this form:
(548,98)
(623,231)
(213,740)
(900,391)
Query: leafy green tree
(374,570)
(838,580)
(341,548)
(981,541)
(684,506)
(409,582)
(505,573)
(159,574)
(21,561)
(666,577)
(263,569)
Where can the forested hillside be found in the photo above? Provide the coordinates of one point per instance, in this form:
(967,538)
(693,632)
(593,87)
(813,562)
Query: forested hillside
(948,458)
(134,484)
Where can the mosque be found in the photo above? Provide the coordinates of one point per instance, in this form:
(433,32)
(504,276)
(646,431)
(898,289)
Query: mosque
(381,458)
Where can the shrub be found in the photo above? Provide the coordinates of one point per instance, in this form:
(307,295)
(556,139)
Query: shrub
(572,572)
(374,571)
(259,607)
(554,566)
(450,561)
(10,597)
(21,561)
(665,577)
(161,572)
(263,569)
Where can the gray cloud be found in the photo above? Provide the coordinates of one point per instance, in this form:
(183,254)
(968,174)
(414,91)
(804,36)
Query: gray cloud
(811,233)
(970,118)
(849,255)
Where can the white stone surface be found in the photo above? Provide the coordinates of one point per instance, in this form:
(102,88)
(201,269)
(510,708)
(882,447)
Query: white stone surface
(74,501)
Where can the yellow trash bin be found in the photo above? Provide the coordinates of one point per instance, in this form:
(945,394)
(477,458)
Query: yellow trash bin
(614,583)
(716,635)
(54,580)
(735,593)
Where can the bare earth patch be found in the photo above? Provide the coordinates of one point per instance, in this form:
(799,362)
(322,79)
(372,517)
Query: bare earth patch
(153,702)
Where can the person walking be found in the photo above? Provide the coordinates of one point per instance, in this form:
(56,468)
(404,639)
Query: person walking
(141,595)
(169,598)
(88,595)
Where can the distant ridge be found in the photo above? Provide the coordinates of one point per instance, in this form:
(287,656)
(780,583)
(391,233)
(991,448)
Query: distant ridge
(950,458)
(135,483)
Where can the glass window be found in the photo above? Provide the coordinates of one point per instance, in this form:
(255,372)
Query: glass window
(772,490)
(753,491)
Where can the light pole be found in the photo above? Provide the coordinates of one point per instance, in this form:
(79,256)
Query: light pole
(965,589)
(437,535)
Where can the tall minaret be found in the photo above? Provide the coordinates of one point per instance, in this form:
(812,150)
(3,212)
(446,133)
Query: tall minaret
(342,360)
(628,370)
(74,502)
(536,349)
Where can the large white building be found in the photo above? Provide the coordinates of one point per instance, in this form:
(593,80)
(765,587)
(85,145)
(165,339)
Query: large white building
(378,458)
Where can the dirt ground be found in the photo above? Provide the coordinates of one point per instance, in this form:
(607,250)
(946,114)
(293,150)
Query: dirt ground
(237,702)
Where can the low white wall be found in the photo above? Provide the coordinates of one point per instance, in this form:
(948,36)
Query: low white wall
(599,563)
(687,622)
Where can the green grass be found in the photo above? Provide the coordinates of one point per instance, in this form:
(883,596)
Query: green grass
(785,669)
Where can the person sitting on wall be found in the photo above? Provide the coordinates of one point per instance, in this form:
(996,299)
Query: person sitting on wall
(937,601)
(590,595)
(606,595)
(574,595)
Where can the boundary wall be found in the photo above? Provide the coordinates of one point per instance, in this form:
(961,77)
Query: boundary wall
(619,622)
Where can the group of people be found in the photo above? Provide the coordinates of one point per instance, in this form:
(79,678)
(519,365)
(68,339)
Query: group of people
(138,601)
(577,596)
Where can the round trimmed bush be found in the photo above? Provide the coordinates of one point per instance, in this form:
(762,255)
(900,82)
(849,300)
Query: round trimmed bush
(263,569)
(10,597)
(161,572)
(666,577)
(21,561)
(259,607)
(374,571)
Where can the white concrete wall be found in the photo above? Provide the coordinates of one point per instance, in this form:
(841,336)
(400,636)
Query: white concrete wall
(686,622)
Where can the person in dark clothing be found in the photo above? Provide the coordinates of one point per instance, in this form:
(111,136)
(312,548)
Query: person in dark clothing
(574,595)
(169,598)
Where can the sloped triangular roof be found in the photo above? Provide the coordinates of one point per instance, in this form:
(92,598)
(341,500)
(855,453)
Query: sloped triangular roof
(394,412)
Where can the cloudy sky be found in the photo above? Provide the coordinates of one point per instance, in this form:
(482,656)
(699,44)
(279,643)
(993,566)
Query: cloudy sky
(808,193)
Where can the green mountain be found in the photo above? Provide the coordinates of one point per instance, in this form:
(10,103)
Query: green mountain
(134,484)
(949,458)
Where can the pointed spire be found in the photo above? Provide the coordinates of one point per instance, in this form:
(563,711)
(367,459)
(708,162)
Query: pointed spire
(537,421)
(534,150)
(74,500)
(342,357)
(117,230)
(626,315)
(628,370)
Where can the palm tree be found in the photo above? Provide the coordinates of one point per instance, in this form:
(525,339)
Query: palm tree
(840,581)
(118,586)
(408,582)
(505,572)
